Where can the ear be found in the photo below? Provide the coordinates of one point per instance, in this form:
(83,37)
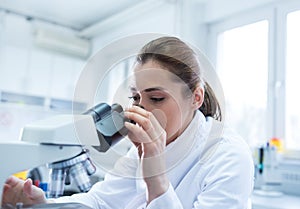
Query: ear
(198,97)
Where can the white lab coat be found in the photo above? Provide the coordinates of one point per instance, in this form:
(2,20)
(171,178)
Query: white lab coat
(206,171)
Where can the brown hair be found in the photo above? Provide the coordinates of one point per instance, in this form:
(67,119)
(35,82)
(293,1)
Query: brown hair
(180,59)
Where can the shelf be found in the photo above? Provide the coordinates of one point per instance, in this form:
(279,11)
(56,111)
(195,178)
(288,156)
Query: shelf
(51,103)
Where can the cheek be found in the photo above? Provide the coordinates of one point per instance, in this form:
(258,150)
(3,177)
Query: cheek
(173,126)
(173,117)
(161,116)
(178,116)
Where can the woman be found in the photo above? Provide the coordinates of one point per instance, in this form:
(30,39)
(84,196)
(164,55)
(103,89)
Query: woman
(186,158)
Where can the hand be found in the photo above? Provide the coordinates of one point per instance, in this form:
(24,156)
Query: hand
(16,190)
(150,138)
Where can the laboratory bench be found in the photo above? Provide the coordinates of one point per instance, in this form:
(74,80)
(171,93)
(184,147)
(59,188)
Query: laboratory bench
(283,201)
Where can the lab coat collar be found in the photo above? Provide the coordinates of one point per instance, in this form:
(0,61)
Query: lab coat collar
(193,136)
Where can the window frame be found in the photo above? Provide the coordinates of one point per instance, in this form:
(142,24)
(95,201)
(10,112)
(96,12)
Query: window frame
(276,15)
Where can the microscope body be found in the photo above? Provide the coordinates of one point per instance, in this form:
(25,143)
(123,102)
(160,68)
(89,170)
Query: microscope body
(61,142)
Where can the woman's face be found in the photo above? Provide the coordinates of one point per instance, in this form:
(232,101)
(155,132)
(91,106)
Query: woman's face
(162,93)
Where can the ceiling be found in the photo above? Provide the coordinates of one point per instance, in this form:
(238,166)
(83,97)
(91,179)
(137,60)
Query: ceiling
(84,15)
(75,14)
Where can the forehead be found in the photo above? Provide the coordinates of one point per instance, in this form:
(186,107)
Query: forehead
(151,74)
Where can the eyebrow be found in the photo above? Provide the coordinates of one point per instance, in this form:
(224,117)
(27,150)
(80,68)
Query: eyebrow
(149,89)
(154,89)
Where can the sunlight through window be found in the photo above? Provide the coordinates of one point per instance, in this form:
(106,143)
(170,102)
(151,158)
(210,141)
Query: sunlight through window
(242,66)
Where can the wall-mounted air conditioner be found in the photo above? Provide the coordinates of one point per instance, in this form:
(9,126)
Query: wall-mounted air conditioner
(62,42)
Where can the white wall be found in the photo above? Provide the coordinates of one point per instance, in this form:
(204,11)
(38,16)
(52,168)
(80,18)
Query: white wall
(157,20)
(180,18)
(161,20)
(27,69)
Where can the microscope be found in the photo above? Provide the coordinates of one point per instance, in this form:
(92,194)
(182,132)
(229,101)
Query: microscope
(61,142)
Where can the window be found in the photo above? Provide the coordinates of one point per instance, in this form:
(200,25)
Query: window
(257,60)
(242,66)
(292,106)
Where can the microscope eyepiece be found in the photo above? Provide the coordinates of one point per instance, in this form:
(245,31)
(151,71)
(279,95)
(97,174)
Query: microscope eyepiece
(99,111)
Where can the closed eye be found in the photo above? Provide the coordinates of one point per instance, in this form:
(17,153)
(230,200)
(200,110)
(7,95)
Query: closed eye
(157,99)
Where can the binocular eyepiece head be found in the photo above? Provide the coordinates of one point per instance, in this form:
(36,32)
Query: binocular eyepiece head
(109,121)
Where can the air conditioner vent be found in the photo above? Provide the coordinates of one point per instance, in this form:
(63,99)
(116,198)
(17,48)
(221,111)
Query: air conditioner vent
(68,44)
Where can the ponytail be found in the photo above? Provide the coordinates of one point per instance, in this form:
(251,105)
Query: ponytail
(210,106)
